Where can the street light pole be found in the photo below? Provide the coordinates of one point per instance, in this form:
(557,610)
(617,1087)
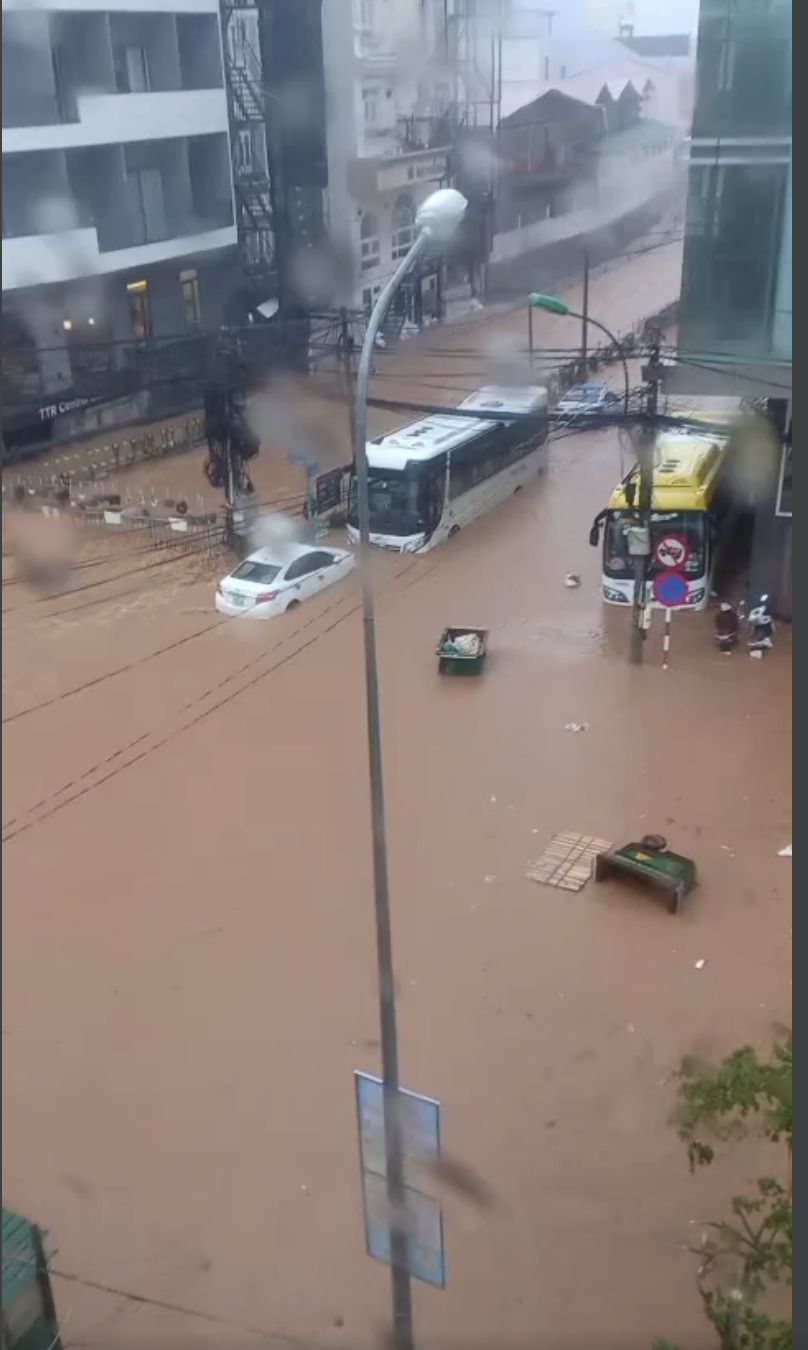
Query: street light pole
(437,219)
(585,319)
(552,304)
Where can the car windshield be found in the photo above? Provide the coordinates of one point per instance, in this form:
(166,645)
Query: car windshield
(393,504)
(687,528)
(251,569)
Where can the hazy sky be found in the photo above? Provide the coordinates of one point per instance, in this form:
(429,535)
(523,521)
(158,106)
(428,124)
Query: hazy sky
(666,16)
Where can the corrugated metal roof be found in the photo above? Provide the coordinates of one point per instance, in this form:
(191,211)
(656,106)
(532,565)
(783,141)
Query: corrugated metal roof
(19,1256)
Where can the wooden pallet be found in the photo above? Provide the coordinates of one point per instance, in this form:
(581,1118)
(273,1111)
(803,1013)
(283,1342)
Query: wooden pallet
(567,861)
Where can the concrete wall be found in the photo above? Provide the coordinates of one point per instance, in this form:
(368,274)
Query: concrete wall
(544,267)
(624,186)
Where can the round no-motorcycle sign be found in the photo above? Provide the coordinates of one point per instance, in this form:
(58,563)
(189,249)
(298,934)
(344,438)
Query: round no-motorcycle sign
(672,551)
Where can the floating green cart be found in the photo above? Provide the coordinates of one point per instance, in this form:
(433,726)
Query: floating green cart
(462,651)
(672,872)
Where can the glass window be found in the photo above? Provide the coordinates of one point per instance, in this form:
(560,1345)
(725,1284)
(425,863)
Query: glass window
(370,247)
(131,69)
(263,574)
(189,284)
(301,567)
(395,503)
(731,264)
(743,73)
(140,310)
(404,227)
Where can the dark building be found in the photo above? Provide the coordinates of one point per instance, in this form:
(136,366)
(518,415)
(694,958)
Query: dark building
(544,156)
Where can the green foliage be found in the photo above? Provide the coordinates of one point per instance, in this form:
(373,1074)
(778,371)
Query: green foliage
(745,1259)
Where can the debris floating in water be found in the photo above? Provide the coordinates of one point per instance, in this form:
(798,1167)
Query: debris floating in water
(785,852)
(575,727)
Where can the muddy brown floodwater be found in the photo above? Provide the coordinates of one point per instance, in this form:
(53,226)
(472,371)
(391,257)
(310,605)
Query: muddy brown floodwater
(189,945)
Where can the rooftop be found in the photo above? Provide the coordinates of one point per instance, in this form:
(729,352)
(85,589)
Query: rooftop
(659,45)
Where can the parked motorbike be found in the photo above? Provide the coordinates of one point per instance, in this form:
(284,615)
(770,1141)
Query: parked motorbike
(761,628)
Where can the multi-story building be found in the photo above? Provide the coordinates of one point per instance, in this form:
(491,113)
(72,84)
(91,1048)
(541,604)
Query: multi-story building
(387,143)
(736,310)
(118,219)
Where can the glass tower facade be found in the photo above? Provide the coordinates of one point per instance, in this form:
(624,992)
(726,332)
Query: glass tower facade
(736,285)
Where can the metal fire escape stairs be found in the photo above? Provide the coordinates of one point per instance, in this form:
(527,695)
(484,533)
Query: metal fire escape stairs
(248,151)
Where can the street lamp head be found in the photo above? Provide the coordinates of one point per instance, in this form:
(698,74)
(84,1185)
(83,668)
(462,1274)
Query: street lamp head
(551,303)
(441,214)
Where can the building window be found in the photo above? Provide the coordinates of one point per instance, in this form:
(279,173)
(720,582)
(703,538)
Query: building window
(147,205)
(370,103)
(244,150)
(370,295)
(139,309)
(404,228)
(370,248)
(363,15)
(131,69)
(189,285)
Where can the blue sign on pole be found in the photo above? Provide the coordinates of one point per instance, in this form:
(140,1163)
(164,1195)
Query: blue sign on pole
(425,1249)
(670,589)
(420,1138)
(419,1125)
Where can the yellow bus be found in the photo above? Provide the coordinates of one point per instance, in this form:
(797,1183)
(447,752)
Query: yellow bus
(691,501)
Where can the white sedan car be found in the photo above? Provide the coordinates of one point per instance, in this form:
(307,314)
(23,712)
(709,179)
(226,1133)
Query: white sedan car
(271,582)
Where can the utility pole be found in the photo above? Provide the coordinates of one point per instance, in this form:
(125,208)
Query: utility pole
(652,374)
(346,346)
(585,320)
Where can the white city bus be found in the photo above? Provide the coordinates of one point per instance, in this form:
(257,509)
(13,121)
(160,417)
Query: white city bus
(432,477)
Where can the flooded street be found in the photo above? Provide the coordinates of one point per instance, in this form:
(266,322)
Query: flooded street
(189,974)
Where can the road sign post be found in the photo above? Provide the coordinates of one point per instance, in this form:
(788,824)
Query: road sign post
(419,1125)
(670,589)
(672,551)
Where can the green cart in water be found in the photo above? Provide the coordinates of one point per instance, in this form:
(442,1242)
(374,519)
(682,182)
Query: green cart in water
(462,651)
(651,861)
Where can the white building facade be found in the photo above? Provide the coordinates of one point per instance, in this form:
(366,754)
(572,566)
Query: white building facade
(387,150)
(118,218)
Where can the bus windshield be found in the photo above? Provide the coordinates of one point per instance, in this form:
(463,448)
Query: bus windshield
(394,504)
(689,527)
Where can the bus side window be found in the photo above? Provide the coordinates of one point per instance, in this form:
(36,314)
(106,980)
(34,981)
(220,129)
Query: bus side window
(433,490)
